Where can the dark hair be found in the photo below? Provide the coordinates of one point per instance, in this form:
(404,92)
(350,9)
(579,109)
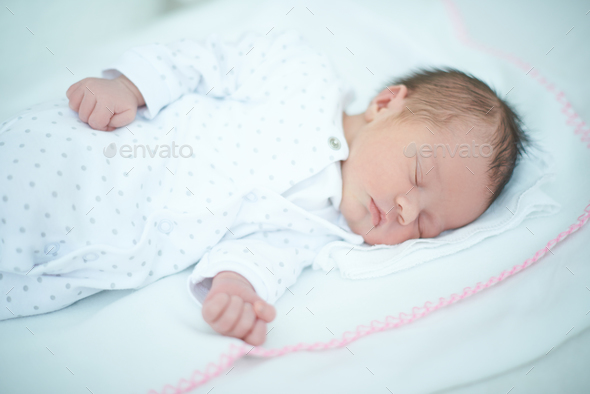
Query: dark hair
(443,96)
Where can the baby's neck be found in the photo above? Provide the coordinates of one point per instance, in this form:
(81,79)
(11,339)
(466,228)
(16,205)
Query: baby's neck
(351,125)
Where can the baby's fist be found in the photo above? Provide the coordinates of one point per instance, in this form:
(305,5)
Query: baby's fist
(233,308)
(105,104)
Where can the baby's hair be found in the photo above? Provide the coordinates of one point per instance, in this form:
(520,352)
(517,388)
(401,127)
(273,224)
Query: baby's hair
(445,96)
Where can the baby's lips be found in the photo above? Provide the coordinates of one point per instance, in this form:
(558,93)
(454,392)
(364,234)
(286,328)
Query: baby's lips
(375,213)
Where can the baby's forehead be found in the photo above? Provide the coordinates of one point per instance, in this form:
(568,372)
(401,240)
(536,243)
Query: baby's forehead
(464,147)
(464,129)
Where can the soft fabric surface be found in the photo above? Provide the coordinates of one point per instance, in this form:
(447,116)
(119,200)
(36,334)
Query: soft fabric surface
(155,336)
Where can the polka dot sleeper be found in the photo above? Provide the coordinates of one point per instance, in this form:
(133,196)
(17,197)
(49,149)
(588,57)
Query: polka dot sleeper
(233,164)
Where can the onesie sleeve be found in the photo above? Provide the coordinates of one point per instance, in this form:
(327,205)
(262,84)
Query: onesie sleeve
(271,261)
(213,67)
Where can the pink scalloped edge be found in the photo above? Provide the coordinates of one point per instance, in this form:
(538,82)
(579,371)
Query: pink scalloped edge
(213,369)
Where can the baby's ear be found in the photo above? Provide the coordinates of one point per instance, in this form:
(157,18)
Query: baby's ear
(392,98)
(396,91)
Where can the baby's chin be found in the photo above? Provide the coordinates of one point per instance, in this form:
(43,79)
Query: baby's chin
(376,235)
(361,227)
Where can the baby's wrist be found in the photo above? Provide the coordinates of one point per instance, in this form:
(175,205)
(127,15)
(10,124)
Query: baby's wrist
(131,86)
(231,275)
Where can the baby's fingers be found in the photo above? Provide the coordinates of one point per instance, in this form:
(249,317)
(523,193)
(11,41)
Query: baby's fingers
(258,334)
(246,322)
(265,311)
(101,116)
(87,106)
(73,88)
(123,118)
(75,96)
(230,316)
(214,307)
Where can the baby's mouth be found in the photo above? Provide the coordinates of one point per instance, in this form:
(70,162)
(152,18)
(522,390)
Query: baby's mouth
(377,216)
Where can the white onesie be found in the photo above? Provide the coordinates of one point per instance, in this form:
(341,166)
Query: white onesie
(254,187)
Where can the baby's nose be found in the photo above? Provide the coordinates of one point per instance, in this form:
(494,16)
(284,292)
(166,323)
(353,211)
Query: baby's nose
(407,210)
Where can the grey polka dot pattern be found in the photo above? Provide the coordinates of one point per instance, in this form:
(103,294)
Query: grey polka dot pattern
(265,258)
(227,166)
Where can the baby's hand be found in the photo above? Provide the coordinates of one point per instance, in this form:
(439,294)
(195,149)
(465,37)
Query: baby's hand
(105,104)
(233,308)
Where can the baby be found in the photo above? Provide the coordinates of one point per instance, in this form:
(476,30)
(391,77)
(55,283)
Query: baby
(431,152)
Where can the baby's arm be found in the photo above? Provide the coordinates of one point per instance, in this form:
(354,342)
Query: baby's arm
(233,308)
(268,263)
(159,74)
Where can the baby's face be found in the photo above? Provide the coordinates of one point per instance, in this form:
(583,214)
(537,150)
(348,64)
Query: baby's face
(419,195)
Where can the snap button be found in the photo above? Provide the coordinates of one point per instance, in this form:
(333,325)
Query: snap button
(165,226)
(251,197)
(90,257)
(334,143)
(52,248)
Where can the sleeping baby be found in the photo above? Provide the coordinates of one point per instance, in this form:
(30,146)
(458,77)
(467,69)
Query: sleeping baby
(269,169)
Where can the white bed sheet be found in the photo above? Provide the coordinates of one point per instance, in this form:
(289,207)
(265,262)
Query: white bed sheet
(112,350)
